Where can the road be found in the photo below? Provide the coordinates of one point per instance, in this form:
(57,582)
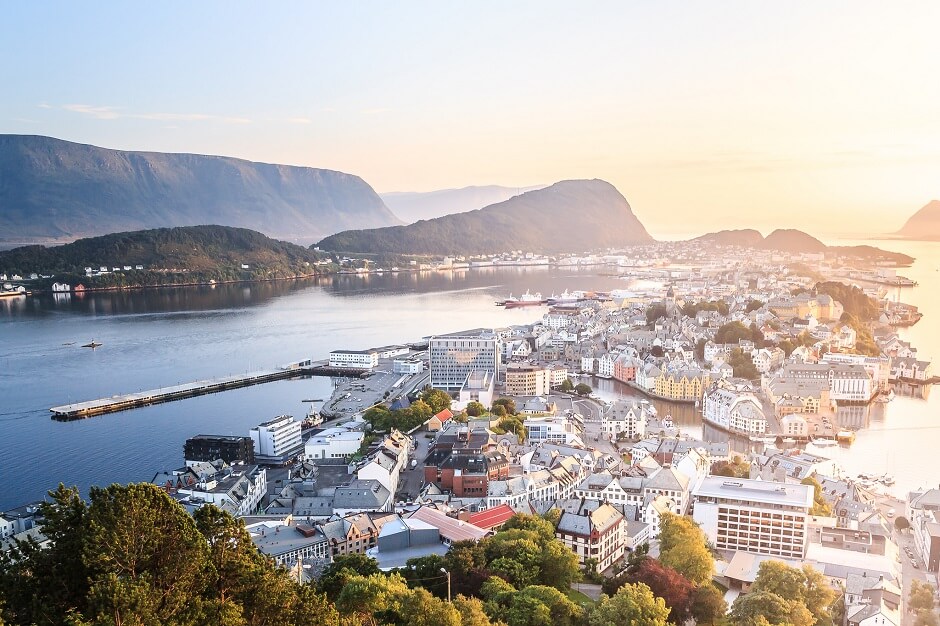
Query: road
(591,410)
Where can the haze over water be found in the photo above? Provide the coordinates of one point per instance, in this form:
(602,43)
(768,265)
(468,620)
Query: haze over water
(162,337)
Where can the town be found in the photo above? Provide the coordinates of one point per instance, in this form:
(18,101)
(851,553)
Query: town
(443,440)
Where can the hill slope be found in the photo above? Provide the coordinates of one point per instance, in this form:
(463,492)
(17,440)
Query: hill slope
(746,238)
(197,251)
(51,188)
(925,224)
(569,216)
(413,206)
(792,240)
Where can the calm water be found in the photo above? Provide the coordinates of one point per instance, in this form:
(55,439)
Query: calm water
(156,338)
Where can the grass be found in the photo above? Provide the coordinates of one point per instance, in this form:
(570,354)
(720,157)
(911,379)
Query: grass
(578,598)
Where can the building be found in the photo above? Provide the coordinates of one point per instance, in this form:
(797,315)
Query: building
(686,385)
(525,379)
(624,418)
(846,382)
(478,387)
(277,441)
(333,443)
(354,359)
(733,406)
(229,448)
(454,356)
(407,366)
(593,530)
(239,490)
(289,542)
(562,429)
(438,420)
(753,515)
(923,512)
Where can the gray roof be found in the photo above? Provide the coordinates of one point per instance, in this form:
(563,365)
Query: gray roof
(361,494)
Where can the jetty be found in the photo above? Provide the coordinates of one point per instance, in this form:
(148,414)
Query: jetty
(123,402)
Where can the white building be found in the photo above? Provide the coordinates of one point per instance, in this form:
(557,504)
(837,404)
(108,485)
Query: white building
(454,356)
(734,407)
(554,429)
(526,379)
(624,418)
(354,359)
(478,387)
(277,440)
(754,515)
(333,443)
(846,382)
(407,366)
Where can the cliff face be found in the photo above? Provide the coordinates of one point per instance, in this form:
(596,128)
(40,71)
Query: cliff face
(57,189)
(569,216)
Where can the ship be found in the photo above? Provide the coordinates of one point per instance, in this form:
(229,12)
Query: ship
(7,290)
(845,436)
(313,418)
(526,299)
(824,442)
(567,298)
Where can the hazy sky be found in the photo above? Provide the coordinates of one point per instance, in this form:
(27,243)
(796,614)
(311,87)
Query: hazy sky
(818,115)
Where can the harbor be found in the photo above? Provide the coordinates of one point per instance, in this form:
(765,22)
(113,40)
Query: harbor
(123,402)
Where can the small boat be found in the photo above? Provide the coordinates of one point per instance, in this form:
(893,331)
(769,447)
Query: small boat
(824,442)
(526,299)
(789,440)
(94,344)
(887,479)
(845,436)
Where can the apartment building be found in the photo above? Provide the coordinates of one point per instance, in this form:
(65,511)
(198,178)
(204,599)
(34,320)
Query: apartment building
(526,379)
(454,356)
(753,515)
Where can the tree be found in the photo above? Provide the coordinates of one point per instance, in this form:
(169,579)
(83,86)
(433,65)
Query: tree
(700,349)
(582,389)
(737,468)
(437,399)
(632,604)
(750,608)
(742,364)
(753,305)
(471,611)
(508,403)
(566,385)
(683,548)
(343,568)
(805,589)
(373,599)
(921,596)
(820,506)
(654,312)
(475,409)
(146,558)
(708,605)
(420,608)
(425,571)
(499,410)
(901,523)
(732,332)
(665,582)
(925,618)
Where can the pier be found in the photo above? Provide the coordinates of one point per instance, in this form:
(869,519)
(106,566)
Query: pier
(81,410)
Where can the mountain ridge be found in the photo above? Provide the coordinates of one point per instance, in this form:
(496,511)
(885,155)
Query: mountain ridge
(568,216)
(56,189)
(413,206)
(924,224)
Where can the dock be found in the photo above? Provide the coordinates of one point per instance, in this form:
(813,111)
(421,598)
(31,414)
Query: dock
(123,402)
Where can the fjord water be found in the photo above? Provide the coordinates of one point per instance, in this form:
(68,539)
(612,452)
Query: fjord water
(161,337)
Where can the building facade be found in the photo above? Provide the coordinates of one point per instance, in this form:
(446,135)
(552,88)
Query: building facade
(454,356)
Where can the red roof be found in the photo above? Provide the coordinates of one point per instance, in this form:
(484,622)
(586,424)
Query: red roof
(444,415)
(491,518)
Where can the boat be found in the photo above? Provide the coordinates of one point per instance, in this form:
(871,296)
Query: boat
(887,479)
(7,290)
(94,344)
(566,298)
(845,436)
(885,398)
(526,299)
(789,440)
(824,442)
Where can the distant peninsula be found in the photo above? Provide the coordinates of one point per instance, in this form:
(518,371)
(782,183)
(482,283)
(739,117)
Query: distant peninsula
(54,190)
(923,225)
(798,242)
(165,256)
(569,216)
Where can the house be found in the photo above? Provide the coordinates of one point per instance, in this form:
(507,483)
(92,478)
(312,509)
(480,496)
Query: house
(288,542)
(438,420)
(593,530)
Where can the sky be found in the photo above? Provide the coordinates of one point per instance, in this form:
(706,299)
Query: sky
(823,116)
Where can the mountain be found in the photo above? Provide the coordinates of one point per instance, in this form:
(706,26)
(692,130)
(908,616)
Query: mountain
(746,238)
(188,251)
(569,216)
(412,206)
(792,240)
(925,224)
(54,189)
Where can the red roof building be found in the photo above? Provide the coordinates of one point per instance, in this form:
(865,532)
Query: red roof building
(492,519)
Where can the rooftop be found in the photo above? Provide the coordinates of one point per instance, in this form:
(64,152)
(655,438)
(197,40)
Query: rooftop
(757,491)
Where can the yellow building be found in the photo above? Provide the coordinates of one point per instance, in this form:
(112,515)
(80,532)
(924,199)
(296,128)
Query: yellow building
(527,380)
(683,385)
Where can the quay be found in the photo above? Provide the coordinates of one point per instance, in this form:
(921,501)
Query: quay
(81,410)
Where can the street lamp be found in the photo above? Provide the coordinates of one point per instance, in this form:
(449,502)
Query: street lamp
(444,571)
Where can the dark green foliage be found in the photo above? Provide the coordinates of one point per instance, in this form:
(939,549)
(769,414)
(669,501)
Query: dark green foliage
(737,468)
(342,569)
(529,221)
(134,556)
(854,301)
(732,332)
(566,385)
(169,256)
(508,403)
(383,419)
(691,309)
(753,305)
(665,582)
(654,312)
(901,523)
(583,389)
(437,399)
(475,409)
(820,506)
(743,365)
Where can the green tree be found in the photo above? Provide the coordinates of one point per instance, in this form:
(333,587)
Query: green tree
(753,305)
(901,523)
(420,608)
(499,410)
(732,332)
(683,548)
(437,399)
(566,385)
(471,611)
(582,389)
(425,571)
(742,364)
(751,608)
(925,618)
(373,599)
(654,312)
(146,559)
(632,604)
(475,409)
(708,605)
(921,596)
(343,568)
(508,403)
